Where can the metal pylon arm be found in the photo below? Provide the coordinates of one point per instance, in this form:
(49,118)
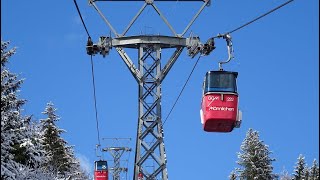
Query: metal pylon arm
(132,68)
(147,0)
(150,2)
(206,3)
(134,19)
(164,19)
(103,17)
(169,64)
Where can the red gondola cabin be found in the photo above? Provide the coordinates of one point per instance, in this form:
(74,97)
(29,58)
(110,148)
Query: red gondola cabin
(100,170)
(219,108)
(140,176)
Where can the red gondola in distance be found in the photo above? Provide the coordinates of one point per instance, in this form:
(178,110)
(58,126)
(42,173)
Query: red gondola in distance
(219,107)
(140,176)
(100,170)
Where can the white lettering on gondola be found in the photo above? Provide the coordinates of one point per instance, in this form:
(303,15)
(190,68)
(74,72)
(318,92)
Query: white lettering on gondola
(230,99)
(215,108)
(211,99)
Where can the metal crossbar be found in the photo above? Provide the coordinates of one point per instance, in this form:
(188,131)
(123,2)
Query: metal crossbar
(149,2)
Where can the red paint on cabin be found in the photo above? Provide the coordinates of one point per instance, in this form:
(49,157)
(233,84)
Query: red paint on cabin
(101,175)
(219,112)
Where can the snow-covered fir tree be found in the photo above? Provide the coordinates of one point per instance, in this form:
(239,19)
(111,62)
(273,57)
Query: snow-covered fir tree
(307,174)
(314,171)
(12,134)
(61,159)
(254,159)
(29,149)
(233,175)
(19,153)
(284,175)
(58,160)
(303,172)
(36,153)
(300,168)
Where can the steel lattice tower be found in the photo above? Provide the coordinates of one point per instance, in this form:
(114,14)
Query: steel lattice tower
(150,157)
(116,153)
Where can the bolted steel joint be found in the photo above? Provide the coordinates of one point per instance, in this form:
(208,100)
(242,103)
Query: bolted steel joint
(149,2)
(102,47)
(194,46)
(208,47)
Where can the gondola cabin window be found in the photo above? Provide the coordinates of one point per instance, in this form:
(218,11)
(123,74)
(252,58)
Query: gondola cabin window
(220,81)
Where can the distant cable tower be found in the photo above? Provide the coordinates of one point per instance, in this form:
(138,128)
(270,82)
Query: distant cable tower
(116,150)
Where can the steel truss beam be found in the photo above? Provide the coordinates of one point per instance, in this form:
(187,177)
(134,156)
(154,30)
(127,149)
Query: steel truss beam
(164,42)
(151,3)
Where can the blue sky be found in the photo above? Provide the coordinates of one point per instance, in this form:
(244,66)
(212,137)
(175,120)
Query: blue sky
(277,59)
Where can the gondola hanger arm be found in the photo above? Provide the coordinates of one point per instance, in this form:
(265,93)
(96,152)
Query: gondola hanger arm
(228,38)
(209,46)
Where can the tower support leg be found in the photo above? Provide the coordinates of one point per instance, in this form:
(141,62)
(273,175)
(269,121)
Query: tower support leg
(150,157)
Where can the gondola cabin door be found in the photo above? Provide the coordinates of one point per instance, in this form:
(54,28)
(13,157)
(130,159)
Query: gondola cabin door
(100,170)
(219,107)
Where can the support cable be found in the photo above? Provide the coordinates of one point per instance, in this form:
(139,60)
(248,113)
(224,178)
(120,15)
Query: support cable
(95,99)
(92,73)
(234,30)
(84,25)
(185,84)
(263,15)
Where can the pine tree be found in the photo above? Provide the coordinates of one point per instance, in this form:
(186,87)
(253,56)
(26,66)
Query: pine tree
(36,154)
(55,146)
(233,175)
(306,174)
(61,159)
(314,171)
(299,169)
(255,159)
(35,146)
(12,131)
(284,175)
(29,149)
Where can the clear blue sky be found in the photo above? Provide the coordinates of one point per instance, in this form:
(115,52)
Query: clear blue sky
(277,59)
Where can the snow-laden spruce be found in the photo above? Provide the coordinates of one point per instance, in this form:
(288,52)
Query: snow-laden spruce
(24,152)
(300,168)
(61,159)
(254,159)
(314,171)
(11,120)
